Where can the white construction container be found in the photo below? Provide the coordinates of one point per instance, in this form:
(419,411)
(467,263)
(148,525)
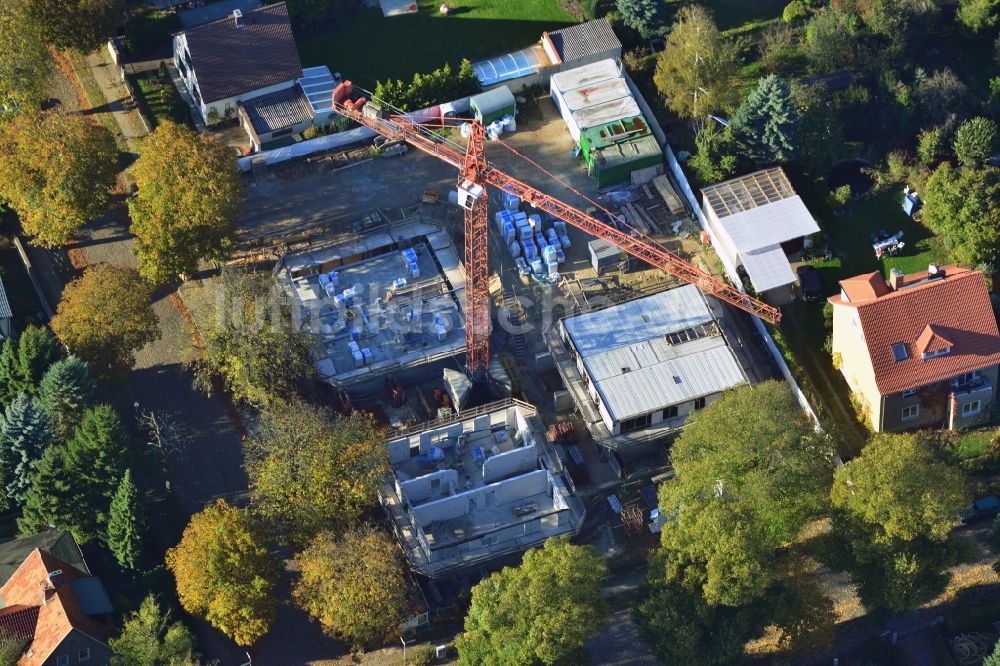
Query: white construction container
(359,360)
(592,116)
(586,75)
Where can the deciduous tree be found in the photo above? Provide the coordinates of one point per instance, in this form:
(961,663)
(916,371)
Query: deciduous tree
(821,136)
(765,126)
(975,141)
(695,70)
(958,205)
(105,316)
(675,621)
(353,585)
(225,574)
(25,62)
(83,25)
(64,392)
(126,523)
(899,486)
(56,172)
(735,450)
(830,39)
(895,505)
(541,612)
(977,15)
(255,347)
(149,638)
(25,434)
(310,472)
(189,193)
(942,97)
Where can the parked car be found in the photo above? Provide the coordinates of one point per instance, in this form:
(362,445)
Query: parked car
(809,283)
(983,508)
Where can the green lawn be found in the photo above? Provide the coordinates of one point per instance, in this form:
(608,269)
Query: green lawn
(372,47)
(975,443)
(160,99)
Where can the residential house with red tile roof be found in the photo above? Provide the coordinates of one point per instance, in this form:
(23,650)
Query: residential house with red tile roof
(918,350)
(62,613)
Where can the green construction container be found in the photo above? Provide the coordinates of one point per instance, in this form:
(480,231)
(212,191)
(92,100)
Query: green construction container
(608,134)
(614,164)
(493,104)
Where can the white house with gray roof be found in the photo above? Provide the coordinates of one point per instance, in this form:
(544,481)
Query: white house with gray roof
(646,364)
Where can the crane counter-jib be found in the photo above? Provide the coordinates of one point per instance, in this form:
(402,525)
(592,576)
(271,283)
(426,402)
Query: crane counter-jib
(635,244)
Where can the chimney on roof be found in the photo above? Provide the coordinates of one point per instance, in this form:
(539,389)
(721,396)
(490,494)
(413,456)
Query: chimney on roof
(895,275)
(238,18)
(934,271)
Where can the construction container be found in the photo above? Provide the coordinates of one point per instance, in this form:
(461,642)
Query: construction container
(587,75)
(367,356)
(608,134)
(614,164)
(605,257)
(515,249)
(540,241)
(600,114)
(359,359)
(581,98)
(493,105)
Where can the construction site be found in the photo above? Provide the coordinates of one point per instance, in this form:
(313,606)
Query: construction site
(532,324)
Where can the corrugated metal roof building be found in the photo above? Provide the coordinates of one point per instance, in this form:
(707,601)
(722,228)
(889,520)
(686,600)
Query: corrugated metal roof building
(750,219)
(593,40)
(275,114)
(652,360)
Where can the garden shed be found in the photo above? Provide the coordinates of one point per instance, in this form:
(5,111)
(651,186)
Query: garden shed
(493,104)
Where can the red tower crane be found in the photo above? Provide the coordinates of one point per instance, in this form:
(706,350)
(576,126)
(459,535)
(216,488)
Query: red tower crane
(476,173)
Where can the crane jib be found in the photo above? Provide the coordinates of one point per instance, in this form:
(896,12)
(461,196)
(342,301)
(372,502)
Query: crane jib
(637,245)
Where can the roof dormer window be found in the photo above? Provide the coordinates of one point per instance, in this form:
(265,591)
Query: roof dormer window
(899,352)
(935,354)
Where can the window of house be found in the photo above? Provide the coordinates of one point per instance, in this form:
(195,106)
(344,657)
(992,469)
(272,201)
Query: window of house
(84,655)
(62,660)
(910,392)
(628,425)
(971,408)
(940,352)
(965,378)
(911,412)
(670,412)
(899,352)
(699,403)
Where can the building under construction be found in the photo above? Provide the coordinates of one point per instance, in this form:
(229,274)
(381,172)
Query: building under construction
(477,488)
(389,301)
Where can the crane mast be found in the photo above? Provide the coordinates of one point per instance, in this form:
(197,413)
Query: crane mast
(476,173)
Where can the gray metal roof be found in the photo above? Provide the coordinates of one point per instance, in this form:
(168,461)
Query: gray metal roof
(586,40)
(5,311)
(636,369)
(278,110)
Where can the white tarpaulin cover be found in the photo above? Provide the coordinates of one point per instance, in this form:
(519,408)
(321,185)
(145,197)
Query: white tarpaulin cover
(303,148)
